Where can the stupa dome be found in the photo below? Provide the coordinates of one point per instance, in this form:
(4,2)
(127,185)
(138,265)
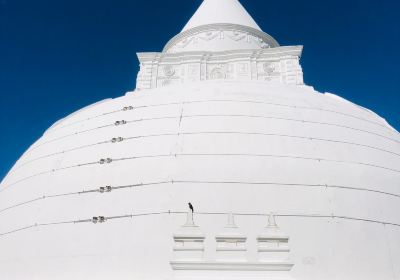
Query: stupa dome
(103,193)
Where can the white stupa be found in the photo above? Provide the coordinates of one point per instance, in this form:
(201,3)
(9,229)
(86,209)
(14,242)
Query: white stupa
(220,118)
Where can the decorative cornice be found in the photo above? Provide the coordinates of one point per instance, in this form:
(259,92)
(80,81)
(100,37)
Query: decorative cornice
(264,37)
(278,51)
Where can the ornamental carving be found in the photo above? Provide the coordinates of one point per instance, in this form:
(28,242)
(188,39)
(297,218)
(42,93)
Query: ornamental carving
(208,36)
(260,42)
(235,35)
(185,42)
(269,70)
(168,70)
(218,73)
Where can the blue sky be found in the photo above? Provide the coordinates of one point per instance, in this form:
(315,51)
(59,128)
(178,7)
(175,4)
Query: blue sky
(57,56)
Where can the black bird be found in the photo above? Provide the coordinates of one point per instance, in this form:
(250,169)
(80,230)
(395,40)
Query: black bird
(191,207)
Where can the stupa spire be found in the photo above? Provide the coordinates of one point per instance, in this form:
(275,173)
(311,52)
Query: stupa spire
(221,11)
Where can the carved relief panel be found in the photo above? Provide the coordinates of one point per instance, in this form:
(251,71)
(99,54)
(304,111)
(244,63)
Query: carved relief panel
(167,75)
(243,70)
(269,71)
(217,72)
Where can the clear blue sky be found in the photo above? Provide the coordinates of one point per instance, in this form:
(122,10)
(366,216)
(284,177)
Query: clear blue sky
(57,56)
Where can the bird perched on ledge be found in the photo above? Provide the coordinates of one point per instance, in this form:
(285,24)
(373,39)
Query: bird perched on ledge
(191,207)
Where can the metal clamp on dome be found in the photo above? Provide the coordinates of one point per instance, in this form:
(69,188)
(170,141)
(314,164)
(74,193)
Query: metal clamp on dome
(99,219)
(106,160)
(120,122)
(117,139)
(127,108)
(105,189)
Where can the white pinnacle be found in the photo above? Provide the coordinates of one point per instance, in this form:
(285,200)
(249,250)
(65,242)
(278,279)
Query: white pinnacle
(231,221)
(221,11)
(189,220)
(271,220)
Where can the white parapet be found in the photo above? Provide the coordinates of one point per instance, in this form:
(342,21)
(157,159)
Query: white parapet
(231,262)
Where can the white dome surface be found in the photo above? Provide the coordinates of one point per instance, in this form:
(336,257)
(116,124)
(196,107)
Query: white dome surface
(328,169)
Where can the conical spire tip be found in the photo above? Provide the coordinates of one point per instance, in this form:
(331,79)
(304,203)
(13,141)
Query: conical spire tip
(221,11)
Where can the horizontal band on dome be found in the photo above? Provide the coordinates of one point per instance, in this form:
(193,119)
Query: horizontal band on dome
(209,115)
(203,133)
(131,216)
(200,155)
(121,187)
(221,100)
(217,100)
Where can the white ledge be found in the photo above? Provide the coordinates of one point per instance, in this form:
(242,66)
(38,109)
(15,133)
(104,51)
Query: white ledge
(260,249)
(231,266)
(189,248)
